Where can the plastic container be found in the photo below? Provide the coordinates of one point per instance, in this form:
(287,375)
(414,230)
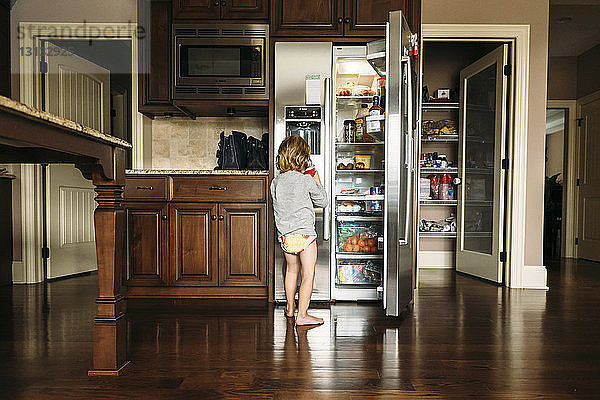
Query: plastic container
(362,161)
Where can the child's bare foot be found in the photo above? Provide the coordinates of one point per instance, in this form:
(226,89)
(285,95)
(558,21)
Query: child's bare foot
(308,320)
(289,313)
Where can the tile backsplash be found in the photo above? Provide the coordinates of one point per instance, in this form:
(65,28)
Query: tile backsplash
(181,143)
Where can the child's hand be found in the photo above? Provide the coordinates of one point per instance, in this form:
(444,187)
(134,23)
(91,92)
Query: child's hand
(316,177)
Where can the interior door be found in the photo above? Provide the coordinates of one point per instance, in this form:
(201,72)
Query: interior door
(589,182)
(79,90)
(399,168)
(482,127)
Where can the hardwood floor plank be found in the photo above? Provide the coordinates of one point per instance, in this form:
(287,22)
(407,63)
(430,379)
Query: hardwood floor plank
(464,339)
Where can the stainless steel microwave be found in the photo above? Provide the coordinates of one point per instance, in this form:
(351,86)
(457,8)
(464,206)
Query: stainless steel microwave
(220,61)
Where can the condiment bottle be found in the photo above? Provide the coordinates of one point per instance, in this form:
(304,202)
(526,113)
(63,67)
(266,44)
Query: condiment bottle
(376,108)
(361,122)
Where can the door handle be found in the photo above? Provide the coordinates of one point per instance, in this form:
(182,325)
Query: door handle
(216,3)
(213,217)
(340,20)
(457,181)
(347,20)
(145,188)
(217,188)
(221,218)
(223,3)
(164,217)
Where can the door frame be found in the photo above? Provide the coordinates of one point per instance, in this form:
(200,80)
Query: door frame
(579,103)
(571,171)
(516,273)
(30,268)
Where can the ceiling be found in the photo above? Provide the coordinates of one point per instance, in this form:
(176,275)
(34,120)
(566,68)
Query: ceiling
(577,35)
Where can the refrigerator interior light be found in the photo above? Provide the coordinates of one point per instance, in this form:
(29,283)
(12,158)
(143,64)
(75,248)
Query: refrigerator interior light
(355,67)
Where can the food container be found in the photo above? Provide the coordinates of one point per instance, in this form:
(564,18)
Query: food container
(376,190)
(376,205)
(362,161)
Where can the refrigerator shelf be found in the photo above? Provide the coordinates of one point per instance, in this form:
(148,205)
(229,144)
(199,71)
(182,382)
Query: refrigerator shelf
(354,97)
(426,202)
(440,138)
(358,283)
(344,144)
(352,218)
(355,256)
(360,171)
(439,235)
(451,170)
(360,197)
(440,106)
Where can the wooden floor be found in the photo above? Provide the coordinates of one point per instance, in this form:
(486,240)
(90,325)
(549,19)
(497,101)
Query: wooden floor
(465,338)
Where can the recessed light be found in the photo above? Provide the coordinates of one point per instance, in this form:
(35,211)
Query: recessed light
(564,20)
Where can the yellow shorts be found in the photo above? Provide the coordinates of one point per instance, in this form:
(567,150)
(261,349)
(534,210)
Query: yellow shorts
(296,244)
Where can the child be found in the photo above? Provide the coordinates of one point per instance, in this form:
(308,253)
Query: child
(295,194)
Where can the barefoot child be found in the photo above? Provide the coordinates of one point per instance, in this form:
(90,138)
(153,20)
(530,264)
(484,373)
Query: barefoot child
(295,194)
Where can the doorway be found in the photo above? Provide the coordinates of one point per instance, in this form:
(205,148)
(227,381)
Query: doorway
(113,54)
(557,131)
(465,118)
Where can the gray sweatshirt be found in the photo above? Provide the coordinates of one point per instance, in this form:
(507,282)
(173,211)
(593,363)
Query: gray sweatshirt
(294,197)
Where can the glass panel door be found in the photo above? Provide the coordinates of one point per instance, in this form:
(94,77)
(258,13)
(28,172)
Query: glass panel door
(482,141)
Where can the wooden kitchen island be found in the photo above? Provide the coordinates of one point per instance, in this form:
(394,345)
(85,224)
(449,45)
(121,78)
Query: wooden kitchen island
(28,135)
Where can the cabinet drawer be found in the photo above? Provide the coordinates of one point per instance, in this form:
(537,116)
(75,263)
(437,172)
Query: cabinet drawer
(223,188)
(146,188)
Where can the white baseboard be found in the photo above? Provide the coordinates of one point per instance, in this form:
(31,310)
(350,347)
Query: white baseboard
(436,259)
(18,272)
(535,277)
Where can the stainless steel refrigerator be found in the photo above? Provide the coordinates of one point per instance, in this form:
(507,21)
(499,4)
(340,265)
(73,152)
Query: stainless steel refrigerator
(371,202)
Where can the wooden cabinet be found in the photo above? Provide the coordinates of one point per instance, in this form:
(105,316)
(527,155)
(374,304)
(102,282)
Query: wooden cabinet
(154,16)
(147,253)
(196,9)
(368,17)
(193,244)
(186,240)
(245,9)
(242,244)
(334,17)
(220,9)
(307,18)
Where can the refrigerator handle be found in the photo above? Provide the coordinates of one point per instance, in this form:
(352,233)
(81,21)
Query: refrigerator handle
(327,141)
(403,240)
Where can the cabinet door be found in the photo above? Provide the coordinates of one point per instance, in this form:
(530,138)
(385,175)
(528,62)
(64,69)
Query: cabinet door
(196,9)
(368,17)
(307,18)
(242,244)
(155,56)
(147,244)
(245,9)
(194,244)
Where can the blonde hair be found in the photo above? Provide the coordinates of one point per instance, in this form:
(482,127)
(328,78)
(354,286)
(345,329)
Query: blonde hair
(293,155)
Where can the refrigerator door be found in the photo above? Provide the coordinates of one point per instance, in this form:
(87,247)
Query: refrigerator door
(293,62)
(399,168)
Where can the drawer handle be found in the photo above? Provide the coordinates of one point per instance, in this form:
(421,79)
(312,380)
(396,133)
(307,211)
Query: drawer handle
(145,188)
(217,188)
(221,218)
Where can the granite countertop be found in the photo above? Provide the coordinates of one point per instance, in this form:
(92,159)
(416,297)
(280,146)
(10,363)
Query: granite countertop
(14,107)
(194,172)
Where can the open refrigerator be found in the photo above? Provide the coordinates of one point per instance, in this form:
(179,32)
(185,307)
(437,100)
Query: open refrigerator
(366,234)
(358,171)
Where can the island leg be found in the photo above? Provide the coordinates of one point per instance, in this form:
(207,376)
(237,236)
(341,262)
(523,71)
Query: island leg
(110,325)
